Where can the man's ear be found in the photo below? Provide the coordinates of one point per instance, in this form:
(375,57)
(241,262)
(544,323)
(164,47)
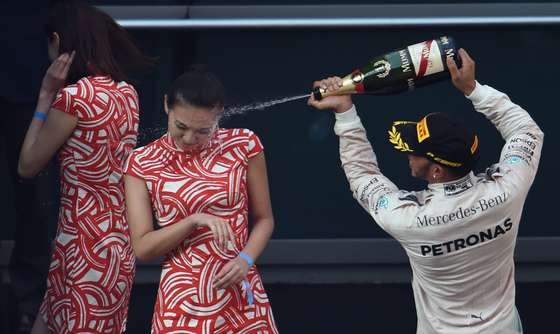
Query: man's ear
(437,171)
(165,106)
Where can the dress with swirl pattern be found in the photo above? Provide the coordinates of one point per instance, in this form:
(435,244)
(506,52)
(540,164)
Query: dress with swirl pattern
(212,181)
(92,266)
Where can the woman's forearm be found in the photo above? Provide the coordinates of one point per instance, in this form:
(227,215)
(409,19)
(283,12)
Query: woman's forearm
(26,166)
(259,237)
(160,242)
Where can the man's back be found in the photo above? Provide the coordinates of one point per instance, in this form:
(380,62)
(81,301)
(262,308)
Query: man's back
(459,236)
(460,244)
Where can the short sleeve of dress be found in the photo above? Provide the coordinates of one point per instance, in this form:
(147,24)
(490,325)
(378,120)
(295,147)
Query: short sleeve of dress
(65,100)
(254,145)
(132,165)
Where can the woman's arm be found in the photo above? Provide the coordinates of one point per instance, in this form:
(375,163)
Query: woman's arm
(263,223)
(149,244)
(45,136)
(260,207)
(42,141)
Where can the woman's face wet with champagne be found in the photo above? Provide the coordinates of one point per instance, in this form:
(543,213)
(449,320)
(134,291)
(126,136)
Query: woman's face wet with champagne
(191,127)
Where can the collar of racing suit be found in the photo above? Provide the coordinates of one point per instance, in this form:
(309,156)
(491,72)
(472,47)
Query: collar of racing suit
(454,187)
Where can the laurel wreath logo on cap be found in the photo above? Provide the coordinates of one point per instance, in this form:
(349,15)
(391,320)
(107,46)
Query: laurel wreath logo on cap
(396,138)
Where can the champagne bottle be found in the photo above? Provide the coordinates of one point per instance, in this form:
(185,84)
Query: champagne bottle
(400,70)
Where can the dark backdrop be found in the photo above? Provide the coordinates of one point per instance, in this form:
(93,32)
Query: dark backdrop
(310,195)
(309,191)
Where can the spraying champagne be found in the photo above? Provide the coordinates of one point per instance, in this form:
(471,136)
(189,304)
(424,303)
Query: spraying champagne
(400,70)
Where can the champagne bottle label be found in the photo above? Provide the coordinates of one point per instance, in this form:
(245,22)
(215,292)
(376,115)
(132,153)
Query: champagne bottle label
(426,57)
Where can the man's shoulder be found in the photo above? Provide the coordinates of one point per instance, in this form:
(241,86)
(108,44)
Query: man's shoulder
(419,198)
(402,202)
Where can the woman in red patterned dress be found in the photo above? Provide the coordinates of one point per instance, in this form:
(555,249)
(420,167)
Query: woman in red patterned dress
(89,115)
(201,181)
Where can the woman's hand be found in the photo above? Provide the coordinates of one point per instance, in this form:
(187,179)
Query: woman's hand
(56,74)
(232,273)
(220,228)
(339,103)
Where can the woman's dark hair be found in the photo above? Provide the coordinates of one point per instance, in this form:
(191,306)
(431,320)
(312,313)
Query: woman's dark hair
(198,87)
(102,46)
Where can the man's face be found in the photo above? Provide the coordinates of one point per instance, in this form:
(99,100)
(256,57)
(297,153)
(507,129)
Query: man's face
(419,167)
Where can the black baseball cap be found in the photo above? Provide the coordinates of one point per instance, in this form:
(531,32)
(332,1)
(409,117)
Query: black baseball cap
(439,138)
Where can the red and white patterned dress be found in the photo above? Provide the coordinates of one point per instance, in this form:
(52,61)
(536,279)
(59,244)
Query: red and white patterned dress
(92,268)
(211,181)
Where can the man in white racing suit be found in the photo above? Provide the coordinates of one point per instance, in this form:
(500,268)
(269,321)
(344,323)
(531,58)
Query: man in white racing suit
(460,233)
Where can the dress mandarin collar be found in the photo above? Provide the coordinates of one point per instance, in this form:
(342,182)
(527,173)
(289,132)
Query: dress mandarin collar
(168,143)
